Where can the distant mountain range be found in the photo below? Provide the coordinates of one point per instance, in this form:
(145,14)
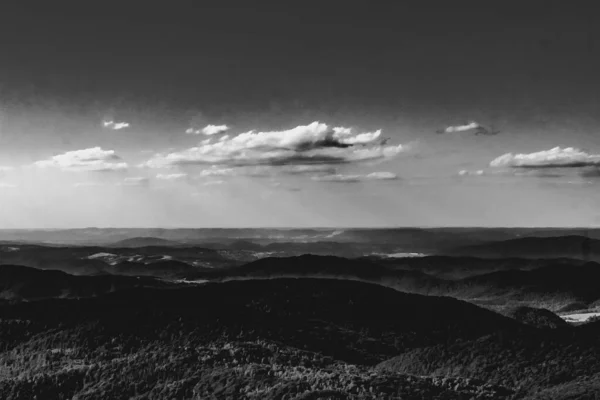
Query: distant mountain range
(431,239)
(556,284)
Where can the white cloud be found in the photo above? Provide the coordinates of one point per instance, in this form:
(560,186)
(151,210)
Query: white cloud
(218,172)
(5,168)
(171,177)
(462,128)
(374,176)
(4,185)
(92,159)
(212,183)
(361,138)
(115,125)
(315,143)
(554,158)
(465,172)
(307,169)
(208,130)
(214,129)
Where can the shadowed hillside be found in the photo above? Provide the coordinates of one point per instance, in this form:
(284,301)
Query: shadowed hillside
(573,246)
(23,283)
(538,317)
(553,286)
(561,364)
(247,339)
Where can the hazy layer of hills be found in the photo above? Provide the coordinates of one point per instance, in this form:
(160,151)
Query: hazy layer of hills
(430,240)
(156,316)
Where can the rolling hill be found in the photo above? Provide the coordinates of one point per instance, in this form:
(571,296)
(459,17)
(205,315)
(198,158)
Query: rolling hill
(572,246)
(24,283)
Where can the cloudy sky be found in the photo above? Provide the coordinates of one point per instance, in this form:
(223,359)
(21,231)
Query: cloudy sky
(266,114)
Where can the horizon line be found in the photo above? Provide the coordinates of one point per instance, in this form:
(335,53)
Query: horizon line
(423,227)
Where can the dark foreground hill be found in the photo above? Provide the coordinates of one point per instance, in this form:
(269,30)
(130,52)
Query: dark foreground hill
(282,339)
(544,364)
(266,339)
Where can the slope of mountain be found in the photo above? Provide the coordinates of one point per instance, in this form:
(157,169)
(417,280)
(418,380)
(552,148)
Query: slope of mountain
(24,283)
(285,339)
(538,317)
(573,246)
(552,286)
(561,363)
(266,339)
(460,267)
(575,283)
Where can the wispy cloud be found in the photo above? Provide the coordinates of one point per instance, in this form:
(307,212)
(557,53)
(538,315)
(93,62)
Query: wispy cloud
(115,125)
(208,130)
(91,159)
(212,183)
(267,170)
(135,181)
(464,172)
(215,171)
(5,168)
(171,177)
(5,185)
(557,157)
(316,143)
(374,176)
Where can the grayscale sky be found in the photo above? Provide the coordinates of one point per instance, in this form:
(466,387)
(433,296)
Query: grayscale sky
(215,114)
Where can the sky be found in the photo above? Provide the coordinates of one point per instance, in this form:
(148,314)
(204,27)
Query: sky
(267,114)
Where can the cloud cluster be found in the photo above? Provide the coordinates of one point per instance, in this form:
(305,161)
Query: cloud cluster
(568,157)
(208,130)
(316,143)
(91,159)
(115,125)
(374,176)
